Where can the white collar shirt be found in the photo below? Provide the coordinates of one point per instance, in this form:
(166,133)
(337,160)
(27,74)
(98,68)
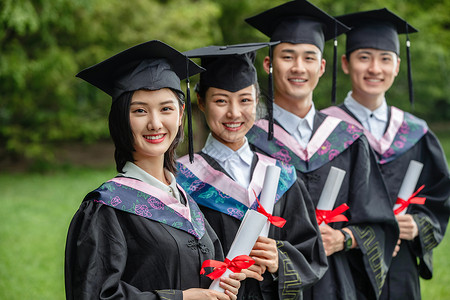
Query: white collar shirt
(236,163)
(131,170)
(299,128)
(375,121)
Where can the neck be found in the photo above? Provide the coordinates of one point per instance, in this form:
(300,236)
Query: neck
(155,167)
(371,102)
(299,107)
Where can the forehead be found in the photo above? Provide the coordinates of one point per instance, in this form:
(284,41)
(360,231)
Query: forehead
(296,48)
(216,91)
(373,51)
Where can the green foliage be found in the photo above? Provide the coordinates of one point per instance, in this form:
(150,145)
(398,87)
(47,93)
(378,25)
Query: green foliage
(44,43)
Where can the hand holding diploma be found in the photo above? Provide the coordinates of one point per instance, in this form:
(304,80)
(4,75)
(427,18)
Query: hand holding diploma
(405,194)
(269,193)
(324,211)
(245,239)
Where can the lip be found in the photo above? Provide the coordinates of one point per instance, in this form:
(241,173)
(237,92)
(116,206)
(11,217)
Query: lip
(373,80)
(155,138)
(297,80)
(233,126)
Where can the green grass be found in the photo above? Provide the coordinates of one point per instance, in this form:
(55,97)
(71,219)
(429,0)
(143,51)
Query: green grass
(35,214)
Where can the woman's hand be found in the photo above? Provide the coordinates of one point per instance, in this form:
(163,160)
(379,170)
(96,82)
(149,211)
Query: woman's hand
(265,254)
(230,285)
(333,240)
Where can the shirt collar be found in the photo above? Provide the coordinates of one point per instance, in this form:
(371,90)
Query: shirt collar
(131,170)
(290,121)
(362,113)
(221,153)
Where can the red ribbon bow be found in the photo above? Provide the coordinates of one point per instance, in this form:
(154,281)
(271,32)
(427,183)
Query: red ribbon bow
(330,216)
(236,265)
(274,220)
(411,200)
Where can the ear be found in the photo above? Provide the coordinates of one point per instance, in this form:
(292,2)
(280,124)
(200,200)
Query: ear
(397,68)
(180,119)
(344,64)
(323,64)
(266,64)
(201,104)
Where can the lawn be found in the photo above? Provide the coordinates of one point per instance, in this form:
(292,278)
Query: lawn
(35,215)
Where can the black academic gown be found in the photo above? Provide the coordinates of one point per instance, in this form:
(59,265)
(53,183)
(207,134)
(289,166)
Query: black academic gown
(113,254)
(302,260)
(358,273)
(415,257)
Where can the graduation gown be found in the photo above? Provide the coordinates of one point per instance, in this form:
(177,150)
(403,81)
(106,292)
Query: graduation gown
(408,138)
(302,259)
(358,273)
(127,242)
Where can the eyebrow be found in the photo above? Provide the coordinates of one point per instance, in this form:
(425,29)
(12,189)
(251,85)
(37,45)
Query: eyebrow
(145,103)
(305,52)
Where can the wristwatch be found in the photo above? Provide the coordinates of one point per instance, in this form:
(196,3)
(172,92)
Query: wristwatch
(347,240)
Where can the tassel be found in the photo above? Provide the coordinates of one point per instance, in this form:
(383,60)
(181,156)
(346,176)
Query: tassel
(189,114)
(410,82)
(270,98)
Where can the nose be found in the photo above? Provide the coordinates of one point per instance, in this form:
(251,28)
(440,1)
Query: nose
(298,66)
(154,122)
(374,66)
(233,110)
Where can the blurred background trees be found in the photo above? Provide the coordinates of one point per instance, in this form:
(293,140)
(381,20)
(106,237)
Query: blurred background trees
(44,43)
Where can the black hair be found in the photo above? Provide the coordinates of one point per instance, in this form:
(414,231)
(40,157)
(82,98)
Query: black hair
(122,135)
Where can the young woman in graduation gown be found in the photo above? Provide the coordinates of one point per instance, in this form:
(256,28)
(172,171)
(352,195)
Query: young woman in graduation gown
(226,173)
(139,235)
(397,137)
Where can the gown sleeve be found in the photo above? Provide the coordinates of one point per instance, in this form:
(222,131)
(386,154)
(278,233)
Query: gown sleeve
(301,257)
(96,256)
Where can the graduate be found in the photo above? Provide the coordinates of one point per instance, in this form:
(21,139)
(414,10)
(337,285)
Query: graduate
(359,251)
(226,174)
(139,235)
(372,61)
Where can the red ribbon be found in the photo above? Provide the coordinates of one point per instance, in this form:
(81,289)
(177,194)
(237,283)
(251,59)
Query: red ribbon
(274,220)
(330,216)
(411,200)
(236,265)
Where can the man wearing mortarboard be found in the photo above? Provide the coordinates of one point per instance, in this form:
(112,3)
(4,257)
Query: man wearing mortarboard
(314,142)
(372,62)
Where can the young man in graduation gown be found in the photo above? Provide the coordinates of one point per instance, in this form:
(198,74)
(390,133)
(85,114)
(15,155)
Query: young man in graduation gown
(226,173)
(372,62)
(360,250)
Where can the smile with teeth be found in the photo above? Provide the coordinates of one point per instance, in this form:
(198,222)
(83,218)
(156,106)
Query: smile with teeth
(157,138)
(232,125)
(297,80)
(374,80)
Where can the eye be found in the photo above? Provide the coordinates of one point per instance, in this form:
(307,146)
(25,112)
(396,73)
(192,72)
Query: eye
(220,101)
(245,100)
(287,57)
(167,109)
(138,110)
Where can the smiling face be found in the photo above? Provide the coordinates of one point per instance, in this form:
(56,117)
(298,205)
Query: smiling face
(297,69)
(372,72)
(155,117)
(230,115)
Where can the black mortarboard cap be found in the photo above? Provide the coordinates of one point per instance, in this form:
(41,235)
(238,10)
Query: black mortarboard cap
(230,67)
(378,29)
(151,65)
(300,22)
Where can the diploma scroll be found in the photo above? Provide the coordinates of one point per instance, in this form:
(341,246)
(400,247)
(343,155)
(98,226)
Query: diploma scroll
(246,236)
(409,183)
(331,189)
(269,193)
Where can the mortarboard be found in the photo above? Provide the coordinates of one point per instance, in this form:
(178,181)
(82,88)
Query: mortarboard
(300,22)
(231,67)
(151,65)
(378,29)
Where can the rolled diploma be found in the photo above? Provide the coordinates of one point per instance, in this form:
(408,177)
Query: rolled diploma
(268,193)
(246,236)
(409,182)
(331,189)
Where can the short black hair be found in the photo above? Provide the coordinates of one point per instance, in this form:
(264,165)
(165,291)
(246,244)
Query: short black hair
(122,135)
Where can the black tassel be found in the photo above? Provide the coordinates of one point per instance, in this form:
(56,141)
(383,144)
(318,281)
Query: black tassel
(189,114)
(270,98)
(408,58)
(333,84)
